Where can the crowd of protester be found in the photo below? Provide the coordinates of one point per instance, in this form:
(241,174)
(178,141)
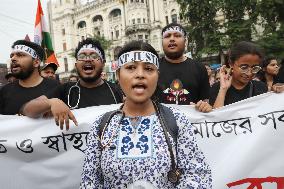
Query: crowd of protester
(144,82)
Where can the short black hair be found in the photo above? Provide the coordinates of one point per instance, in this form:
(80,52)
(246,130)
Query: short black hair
(94,42)
(137,46)
(173,25)
(242,48)
(38,49)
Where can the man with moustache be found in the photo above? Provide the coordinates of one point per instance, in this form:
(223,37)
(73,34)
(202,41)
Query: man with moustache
(182,80)
(26,58)
(89,90)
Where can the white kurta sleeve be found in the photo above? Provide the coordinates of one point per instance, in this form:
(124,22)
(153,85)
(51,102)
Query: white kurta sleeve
(196,173)
(92,173)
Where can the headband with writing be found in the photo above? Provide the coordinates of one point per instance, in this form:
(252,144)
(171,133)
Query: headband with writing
(135,56)
(174,29)
(25,49)
(92,48)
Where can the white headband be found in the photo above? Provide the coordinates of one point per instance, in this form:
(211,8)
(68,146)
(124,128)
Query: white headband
(25,49)
(92,48)
(135,56)
(174,29)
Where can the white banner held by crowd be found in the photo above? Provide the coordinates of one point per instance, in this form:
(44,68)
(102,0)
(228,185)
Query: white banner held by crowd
(242,142)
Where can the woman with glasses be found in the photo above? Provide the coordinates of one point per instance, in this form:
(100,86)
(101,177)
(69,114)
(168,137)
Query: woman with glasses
(270,69)
(134,148)
(236,81)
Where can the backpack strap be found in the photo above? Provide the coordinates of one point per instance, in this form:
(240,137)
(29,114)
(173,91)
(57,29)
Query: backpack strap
(104,121)
(251,85)
(170,121)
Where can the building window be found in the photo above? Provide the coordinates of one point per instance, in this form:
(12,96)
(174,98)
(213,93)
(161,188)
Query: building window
(66,64)
(144,20)
(146,38)
(64,47)
(133,21)
(115,13)
(82,24)
(140,37)
(63,31)
(139,20)
(111,35)
(174,18)
(117,34)
(167,20)
(142,1)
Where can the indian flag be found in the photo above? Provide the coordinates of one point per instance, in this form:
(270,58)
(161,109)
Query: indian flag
(42,36)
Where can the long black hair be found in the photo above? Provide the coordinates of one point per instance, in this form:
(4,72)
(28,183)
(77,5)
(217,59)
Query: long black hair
(264,64)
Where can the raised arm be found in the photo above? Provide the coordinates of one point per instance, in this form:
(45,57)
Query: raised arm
(56,107)
(225,84)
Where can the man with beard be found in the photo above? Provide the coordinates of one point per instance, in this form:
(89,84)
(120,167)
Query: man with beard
(89,90)
(25,62)
(182,80)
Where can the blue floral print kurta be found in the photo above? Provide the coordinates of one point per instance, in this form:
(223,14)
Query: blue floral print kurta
(138,153)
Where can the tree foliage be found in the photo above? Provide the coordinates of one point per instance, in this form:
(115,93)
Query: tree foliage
(272,38)
(240,17)
(103,41)
(202,27)
(250,20)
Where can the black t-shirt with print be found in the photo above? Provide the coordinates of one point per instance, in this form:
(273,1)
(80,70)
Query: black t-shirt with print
(13,96)
(96,96)
(234,95)
(183,82)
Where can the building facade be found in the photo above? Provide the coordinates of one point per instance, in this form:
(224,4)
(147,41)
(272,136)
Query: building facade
(3,72)
(119,21)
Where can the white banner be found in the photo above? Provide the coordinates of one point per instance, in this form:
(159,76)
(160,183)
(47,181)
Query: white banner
(243,143)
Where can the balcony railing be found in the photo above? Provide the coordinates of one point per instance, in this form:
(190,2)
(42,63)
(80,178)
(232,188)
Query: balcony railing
(137,27)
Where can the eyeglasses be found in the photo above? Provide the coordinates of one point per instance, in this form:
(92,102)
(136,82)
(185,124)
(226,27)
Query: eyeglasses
(245,69)
(92,56)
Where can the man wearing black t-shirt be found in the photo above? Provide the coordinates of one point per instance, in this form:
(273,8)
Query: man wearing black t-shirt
(25,61)
(90,90)
(182,80)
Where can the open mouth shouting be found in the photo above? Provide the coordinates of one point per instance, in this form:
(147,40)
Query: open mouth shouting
(15,67)
(88,68)
(139,88)
(172,45)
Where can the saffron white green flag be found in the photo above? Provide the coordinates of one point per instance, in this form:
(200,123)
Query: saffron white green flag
(42,36)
